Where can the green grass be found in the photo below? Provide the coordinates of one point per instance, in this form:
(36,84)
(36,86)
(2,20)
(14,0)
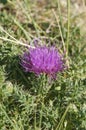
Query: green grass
(28,102)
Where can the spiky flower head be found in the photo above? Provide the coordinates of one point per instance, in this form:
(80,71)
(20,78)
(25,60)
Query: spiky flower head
(42,59)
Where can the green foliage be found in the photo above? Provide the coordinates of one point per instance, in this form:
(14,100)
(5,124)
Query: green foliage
(28,102)
(3,1)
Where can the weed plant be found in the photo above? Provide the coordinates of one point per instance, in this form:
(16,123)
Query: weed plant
(28,102)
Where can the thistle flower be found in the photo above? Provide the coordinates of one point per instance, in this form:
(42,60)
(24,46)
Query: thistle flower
(42,59)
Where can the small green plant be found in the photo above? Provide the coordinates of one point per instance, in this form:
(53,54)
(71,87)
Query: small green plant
(3,1)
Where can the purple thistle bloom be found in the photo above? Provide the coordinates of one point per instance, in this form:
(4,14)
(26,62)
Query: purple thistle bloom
(42,59)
